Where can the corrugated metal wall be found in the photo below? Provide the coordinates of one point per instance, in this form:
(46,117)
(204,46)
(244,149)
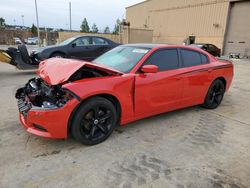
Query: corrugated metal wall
(206,22)
(173,21)
(132,35)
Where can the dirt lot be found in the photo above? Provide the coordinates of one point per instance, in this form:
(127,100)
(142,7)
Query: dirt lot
(189,148)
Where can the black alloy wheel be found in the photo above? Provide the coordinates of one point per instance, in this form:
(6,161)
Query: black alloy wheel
(94,121)
(215,95)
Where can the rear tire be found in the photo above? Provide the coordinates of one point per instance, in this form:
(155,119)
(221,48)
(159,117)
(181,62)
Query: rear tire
(94,121)
(214,95)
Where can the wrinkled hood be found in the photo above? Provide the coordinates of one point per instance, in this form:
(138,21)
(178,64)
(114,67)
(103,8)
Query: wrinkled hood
(56,71)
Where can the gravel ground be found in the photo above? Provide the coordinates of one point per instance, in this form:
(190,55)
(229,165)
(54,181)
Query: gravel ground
(188,148)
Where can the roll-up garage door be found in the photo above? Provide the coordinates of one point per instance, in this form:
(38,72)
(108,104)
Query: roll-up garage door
(238,33)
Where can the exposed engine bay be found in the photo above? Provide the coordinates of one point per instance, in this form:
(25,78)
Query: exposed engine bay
(40,94)
(87,72)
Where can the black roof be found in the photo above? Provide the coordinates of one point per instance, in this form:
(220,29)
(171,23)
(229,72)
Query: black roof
(201,44)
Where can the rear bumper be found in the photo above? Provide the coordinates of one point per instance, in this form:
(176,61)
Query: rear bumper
(48,123)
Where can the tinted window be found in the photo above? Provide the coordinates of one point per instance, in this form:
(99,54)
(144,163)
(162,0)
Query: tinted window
(204,59)
(82,41)
(164,59)
(190,58)
(212,47)
(99,41)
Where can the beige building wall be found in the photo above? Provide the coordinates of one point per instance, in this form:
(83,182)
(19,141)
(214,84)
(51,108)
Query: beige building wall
(137,35)
(173,21)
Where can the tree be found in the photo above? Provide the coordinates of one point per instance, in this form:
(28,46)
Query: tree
(2,22)
(85,26)
(117,27)
(94,28)
(34,30)
(107,30)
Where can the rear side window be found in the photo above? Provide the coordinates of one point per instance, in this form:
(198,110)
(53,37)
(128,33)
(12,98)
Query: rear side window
(99,41)
(165,59)
(204,59)
(191,58)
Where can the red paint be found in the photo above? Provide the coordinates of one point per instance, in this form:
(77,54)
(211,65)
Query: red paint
(56,71)
(140,94)
(149,69)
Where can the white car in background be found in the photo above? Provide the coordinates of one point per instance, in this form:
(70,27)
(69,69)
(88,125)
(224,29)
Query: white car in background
(32,40)
(17,40)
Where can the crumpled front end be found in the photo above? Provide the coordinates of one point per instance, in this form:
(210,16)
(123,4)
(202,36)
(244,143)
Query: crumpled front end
(45,110)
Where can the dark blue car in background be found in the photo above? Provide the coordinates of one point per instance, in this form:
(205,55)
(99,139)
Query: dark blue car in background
(80,47)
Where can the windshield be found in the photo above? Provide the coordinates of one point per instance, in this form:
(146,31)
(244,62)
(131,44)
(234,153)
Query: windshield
(122,58)
(66,42)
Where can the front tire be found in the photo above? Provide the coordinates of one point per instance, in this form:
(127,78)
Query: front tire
(94,121)
(214,95)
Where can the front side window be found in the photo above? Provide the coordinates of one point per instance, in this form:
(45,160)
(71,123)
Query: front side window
(190,58)
(165,59)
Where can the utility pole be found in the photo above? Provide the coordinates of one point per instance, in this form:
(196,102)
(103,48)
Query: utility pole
(70,26)
(22,20)
(37,21)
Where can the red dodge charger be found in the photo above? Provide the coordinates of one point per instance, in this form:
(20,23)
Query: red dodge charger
(128,83)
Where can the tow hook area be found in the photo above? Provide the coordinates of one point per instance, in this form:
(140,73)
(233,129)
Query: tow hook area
(23,106)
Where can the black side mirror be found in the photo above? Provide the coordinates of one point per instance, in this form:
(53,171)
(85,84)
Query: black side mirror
(73,45)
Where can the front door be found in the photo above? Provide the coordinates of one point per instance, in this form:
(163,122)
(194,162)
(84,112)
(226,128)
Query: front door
(161,91)
(196,76)
(100,46)
(81,48)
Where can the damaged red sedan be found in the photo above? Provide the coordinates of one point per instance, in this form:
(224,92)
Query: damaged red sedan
(128,83)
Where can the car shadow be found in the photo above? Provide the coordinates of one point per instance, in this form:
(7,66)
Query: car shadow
(57,145)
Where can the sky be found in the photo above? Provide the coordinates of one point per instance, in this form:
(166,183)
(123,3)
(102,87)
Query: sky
(55,13)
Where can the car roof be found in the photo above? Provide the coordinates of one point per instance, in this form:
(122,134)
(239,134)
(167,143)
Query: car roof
(157,46)
(146,45)
(201,44)
(160,46)
(79,36)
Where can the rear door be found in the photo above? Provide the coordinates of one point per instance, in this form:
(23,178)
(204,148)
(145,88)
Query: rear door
(161,91)
(100,46)
(196,75)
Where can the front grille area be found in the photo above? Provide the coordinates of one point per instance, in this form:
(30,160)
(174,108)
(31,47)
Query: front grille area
(23,107)
(40,128)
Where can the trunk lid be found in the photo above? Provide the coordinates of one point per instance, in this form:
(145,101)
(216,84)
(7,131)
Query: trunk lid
(56,71)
